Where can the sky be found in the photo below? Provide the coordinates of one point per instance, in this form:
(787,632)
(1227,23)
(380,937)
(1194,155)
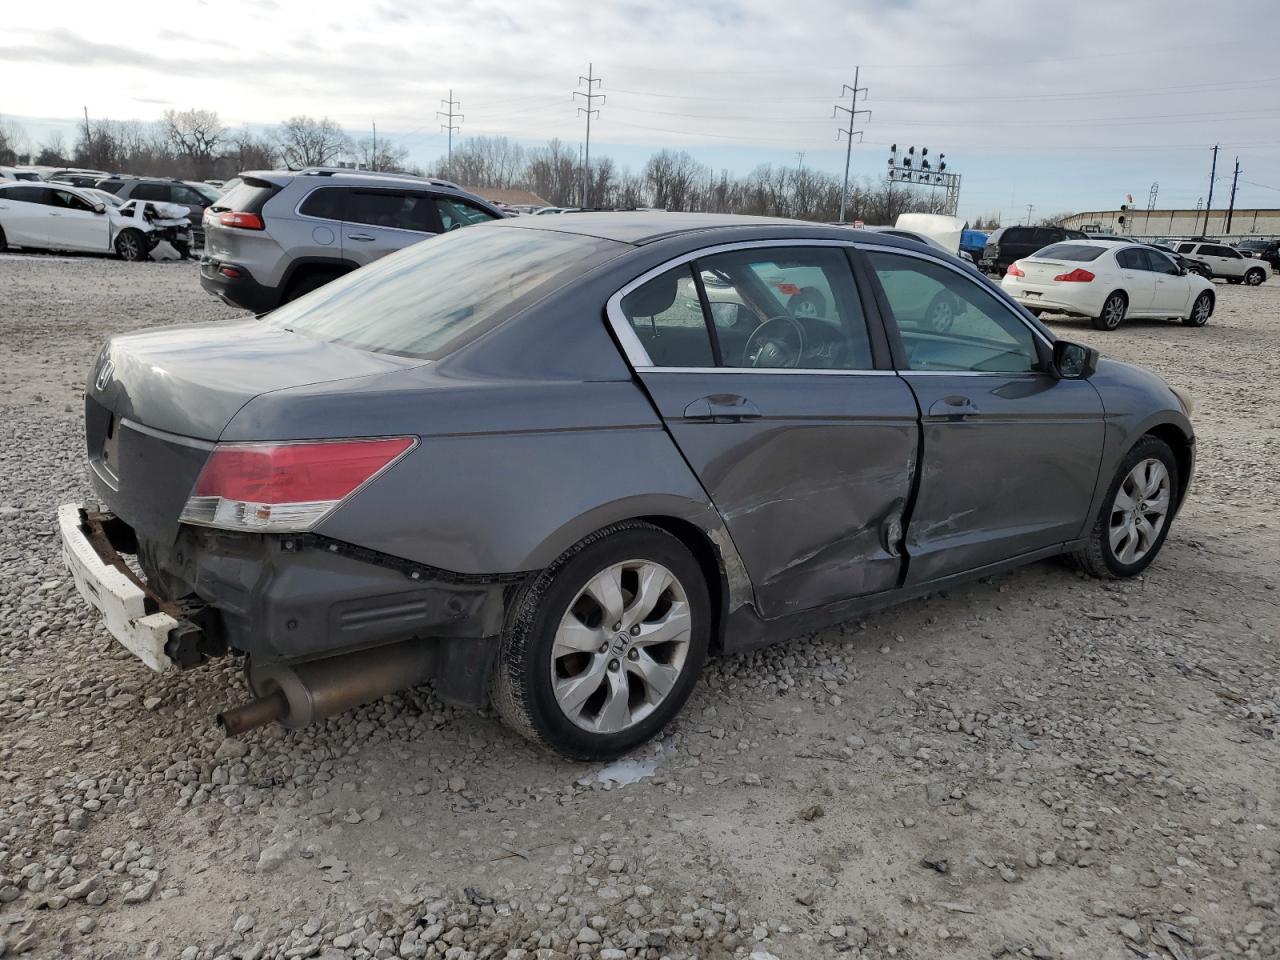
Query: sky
(1066,107)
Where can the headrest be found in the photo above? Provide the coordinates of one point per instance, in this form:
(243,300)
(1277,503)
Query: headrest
(652,298)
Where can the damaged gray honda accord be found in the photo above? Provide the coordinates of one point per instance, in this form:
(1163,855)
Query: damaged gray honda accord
(553,462)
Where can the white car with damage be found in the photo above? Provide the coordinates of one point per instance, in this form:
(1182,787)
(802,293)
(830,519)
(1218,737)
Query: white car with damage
(53,216)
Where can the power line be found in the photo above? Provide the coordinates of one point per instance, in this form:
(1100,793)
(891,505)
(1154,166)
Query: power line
(590,96)
(853,112)
(450,114)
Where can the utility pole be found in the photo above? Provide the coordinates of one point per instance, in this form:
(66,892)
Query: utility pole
(452,118)
(1196,226)
(1213,175)
(590,96)
(1030,207)
(88,145)
(373,160)
(1231,207)
(853,112)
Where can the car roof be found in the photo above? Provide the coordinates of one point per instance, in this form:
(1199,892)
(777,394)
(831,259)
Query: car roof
(640,227)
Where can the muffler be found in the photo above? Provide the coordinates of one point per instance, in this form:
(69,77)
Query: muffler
(295,694)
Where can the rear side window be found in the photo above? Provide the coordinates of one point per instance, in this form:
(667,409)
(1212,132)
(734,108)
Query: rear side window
(432,297)
(1017,235)
(391,208)
(1132,259)
(667,317)
(327,203)
(1076,252)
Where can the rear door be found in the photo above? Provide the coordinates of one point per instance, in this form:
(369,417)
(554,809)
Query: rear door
(24,215)
(1136,278)
(784,404)
(72,224)
(1010,454)
(382,221)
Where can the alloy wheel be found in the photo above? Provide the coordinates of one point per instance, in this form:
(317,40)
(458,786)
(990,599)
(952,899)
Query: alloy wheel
(1253,278)
(621,646)
(1113,312)
(1202,310)
(128,246)
(1140,511)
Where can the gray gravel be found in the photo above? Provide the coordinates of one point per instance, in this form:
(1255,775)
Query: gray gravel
(1037,765)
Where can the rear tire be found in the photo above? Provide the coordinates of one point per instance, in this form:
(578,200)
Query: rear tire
(569,679)
(131,245)
(1201,310)
(308,282)
(1113,310)
(1254,277)
(1129,498)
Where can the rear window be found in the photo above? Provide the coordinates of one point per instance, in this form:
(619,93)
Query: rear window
(429,299)
(1078,252)
(248,196)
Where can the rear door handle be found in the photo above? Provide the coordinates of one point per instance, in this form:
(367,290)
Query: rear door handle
(722,408)
(956,407)
(359,236)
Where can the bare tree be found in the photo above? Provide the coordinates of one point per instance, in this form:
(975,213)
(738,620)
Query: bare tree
(387,156)
(247,151)
(308,142)
(194,135)
(14,142)
(53,152)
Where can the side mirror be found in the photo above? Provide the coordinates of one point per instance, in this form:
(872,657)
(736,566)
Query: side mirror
(1182,271)
(99,207)
(730,313)
(1073,361)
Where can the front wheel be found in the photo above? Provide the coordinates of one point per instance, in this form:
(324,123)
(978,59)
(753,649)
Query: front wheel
(131,245)
(1134,520)
(1254,277)
(1200,310)
(603,648)
(1113,309)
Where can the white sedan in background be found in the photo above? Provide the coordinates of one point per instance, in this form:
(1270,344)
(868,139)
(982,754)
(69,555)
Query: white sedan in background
(1108,280)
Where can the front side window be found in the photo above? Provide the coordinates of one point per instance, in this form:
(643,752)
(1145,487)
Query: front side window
(1158,262)
(456,212)
(181,193)
(667,317)
(28,194)
(948,322)
(1186,248)
(151,191)
(63,198)
(432,297)
(391,208)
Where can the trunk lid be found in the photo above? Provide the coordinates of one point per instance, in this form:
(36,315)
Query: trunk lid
(157,401)
(1043,271)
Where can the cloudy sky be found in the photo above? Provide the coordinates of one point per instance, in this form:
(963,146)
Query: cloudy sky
(1067,107)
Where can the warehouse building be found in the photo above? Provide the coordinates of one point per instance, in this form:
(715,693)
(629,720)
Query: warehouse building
(1178,223)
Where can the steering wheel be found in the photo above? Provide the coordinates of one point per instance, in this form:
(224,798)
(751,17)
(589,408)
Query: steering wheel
(778,342)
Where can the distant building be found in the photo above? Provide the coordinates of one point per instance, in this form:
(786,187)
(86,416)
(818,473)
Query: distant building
(1178,223)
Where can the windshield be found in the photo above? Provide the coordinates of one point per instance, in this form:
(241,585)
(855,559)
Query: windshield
(110,199)
(432,297)
(1079,252)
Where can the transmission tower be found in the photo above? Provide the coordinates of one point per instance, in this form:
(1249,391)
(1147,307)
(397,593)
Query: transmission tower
(452,118)
(1151,197)
(590,96)
(853,112)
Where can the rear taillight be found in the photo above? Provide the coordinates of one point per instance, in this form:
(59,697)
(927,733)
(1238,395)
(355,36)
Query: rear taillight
(1014,270)
(285,487)
(242,221)
(1078,275)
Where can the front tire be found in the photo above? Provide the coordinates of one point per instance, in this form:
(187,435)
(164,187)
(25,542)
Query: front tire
(4,243)
(131,245)
(1254,277)
(1201,310)
(604,647)
(1136,513)
(1113,310)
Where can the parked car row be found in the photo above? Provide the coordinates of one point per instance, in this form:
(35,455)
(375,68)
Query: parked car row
(56,216)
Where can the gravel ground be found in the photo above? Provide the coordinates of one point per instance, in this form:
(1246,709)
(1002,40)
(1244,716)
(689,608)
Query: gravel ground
(1037,765)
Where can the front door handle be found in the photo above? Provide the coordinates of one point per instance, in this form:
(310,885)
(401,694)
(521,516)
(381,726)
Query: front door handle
(722,408)
(359,236)
(955,407)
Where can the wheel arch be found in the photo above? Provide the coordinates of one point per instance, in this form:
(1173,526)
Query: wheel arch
(1183,452)
(305,266)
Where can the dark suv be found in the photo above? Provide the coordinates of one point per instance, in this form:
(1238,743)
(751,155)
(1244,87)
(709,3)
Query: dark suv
(1008,244)
(194,196)
(280,234)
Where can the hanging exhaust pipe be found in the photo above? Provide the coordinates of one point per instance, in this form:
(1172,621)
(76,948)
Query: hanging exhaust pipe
(295,694)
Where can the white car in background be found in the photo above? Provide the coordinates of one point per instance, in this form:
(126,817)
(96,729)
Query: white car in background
(1108,280)
(52,216)
(1227,262)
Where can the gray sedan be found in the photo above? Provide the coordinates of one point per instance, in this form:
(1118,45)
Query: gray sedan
(554,463)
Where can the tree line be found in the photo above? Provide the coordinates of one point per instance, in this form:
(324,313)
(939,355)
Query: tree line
(195,144)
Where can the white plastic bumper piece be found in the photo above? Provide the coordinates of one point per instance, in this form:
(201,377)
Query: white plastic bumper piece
(121,602)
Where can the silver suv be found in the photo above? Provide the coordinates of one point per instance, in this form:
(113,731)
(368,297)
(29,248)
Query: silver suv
(278,235)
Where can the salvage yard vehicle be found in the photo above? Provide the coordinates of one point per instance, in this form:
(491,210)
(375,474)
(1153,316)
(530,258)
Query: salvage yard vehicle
(1108,280)
(1227,262)
(514,461)
(52,216)
(281,234)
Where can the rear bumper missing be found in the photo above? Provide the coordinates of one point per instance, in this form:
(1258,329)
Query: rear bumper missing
(281,599)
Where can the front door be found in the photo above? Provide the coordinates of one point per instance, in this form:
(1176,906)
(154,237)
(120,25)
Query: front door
(378,222)
(1172,290)
(1010,454)
(73,225)
(761,364)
